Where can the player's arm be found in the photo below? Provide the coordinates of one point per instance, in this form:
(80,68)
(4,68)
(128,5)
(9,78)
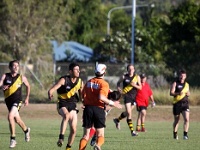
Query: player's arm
(138,84)
(114,96)
(110,102)
(80,91)
(172,90)
(119,83)
(153,104)
(188,92)
(1,81)
(28,89)
(55,87)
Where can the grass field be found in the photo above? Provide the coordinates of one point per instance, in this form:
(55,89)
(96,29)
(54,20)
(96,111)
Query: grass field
(44,122)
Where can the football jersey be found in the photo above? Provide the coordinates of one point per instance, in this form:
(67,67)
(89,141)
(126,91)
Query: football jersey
(92,89)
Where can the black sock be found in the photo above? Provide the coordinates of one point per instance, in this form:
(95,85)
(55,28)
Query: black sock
(68,146)
(61,136)
(26,130)
(185,133)
(175,134)
(12,138)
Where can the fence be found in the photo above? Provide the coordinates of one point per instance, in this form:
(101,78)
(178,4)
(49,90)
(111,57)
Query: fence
(113,72)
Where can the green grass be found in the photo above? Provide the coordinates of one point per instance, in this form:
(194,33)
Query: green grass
(44,134)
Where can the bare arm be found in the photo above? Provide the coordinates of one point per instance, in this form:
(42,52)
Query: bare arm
(188,92)
(55,87)
(1,81)
(80,91)
(137,85)
(119,83)
(172,90)
(28,89)
(110,102)
(152,99)
(153,104)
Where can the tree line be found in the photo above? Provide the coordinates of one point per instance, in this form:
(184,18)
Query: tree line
(166,34)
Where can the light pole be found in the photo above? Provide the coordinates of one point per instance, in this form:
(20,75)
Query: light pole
(133,6)
(109,13)
(133,29)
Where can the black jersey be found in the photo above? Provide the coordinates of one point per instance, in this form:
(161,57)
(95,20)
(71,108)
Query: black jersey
(68,91)
(127,88)
(14,92)
(181,88)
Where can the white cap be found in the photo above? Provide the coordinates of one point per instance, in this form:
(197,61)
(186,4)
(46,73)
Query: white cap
(100,68)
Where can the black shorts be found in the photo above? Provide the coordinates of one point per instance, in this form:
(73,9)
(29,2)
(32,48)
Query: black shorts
(140,108)
(10,104)
(94,115)
(129,99)
(68,105)
(181,106)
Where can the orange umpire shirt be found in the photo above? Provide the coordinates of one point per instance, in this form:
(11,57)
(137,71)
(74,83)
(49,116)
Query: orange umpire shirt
(92,89)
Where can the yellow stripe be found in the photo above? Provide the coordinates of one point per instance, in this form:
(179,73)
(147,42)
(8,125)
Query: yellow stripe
(71,92)
(184,91)
(13,88)
(19,105)
(129,87)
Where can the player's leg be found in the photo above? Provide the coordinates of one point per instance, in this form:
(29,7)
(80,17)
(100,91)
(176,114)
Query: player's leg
(175,125)
(65,118)
(73,126)
(85,138)
(99,124)
(11,120)
(92,132)
(143,116)
(138,122)
(87,124)
(93,136)
(186,115)
(117,120)
(100,138)
(176,113)
(21,123)
(128,107)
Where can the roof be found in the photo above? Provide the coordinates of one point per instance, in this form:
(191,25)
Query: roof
(82,52)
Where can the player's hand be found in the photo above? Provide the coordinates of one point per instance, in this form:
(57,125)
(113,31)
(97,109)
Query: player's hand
(119,89)
(26,102)
(5,87)
(117,104)
(153,104)
(83,107)
(50,96)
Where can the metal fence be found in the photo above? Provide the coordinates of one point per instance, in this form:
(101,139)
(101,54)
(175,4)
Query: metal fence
(113,72)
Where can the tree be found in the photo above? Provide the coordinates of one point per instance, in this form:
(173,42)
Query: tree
(115,47)
(182,39)
(27,26)
(88,22)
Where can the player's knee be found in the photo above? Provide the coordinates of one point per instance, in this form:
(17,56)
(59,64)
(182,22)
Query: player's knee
(73,130)
(86,137)
(17,120)
(65,116)
(10,117)
(186,120)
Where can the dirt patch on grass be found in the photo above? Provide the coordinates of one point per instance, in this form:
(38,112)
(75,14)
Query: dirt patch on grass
(39,111)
